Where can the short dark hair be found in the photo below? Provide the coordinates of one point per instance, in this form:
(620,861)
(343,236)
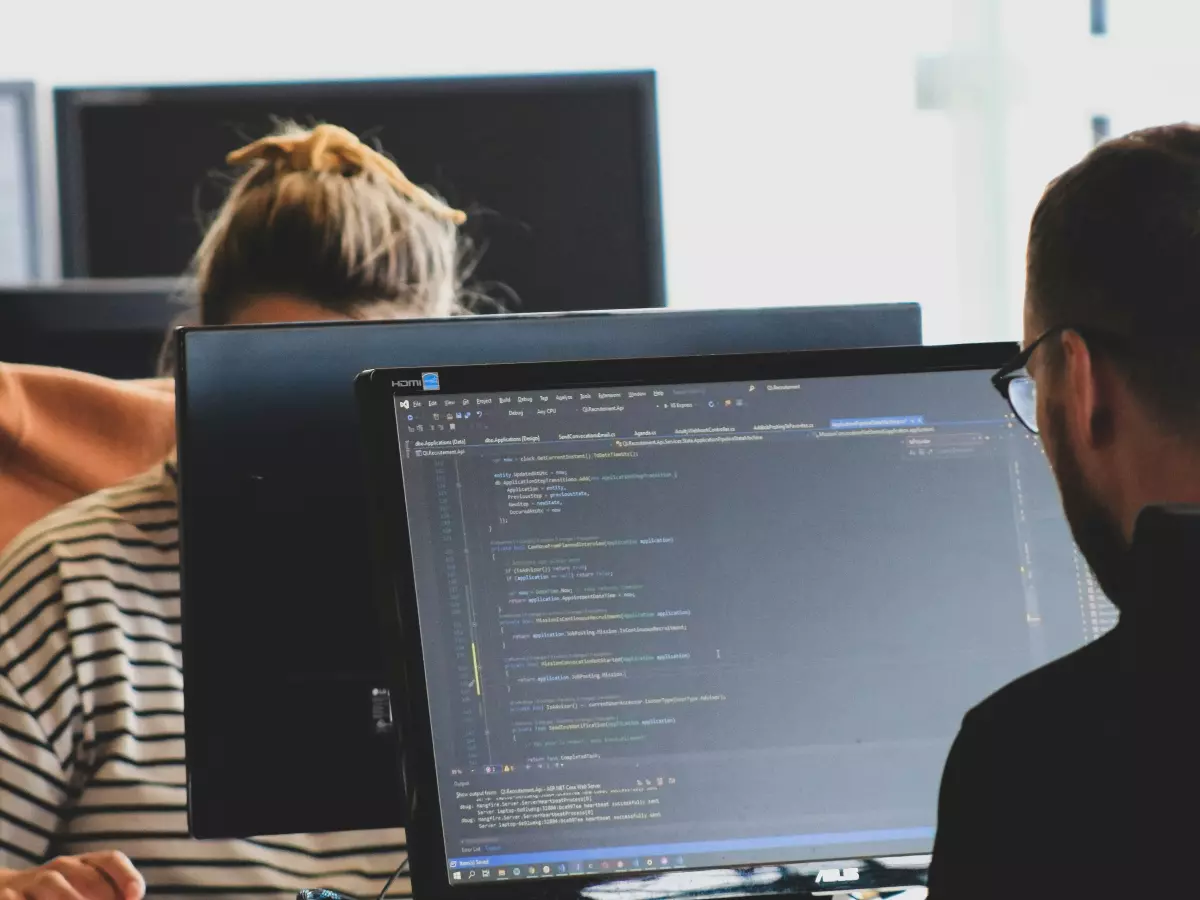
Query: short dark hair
(1115,246)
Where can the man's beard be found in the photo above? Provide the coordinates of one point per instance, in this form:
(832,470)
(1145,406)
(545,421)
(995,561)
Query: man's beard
(1096,530)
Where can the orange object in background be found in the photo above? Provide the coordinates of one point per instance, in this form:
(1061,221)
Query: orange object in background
(65,434)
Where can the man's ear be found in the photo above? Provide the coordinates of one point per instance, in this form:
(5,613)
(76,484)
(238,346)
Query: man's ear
(1087,386)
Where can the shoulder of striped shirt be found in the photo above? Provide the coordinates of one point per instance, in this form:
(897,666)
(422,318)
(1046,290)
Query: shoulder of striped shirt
(146,502)
(133,525)
(137,513)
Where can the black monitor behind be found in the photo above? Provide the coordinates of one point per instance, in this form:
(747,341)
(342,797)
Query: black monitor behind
(284,732)
(114,328)
(560,173)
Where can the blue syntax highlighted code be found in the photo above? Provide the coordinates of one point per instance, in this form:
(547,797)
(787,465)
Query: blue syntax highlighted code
(881,422)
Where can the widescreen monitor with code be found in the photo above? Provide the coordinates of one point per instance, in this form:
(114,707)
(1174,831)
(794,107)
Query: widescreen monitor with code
(707,612)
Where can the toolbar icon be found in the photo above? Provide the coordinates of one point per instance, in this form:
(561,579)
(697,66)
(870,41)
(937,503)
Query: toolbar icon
(458,876)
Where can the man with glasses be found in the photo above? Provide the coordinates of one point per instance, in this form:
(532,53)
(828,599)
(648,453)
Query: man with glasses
(1038,794)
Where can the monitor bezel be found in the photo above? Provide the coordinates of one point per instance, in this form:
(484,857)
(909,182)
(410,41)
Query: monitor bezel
(70,101)
(217,805)
(116,329)
(396,590)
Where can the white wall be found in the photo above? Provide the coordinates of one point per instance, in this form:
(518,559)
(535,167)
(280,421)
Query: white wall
(797,168)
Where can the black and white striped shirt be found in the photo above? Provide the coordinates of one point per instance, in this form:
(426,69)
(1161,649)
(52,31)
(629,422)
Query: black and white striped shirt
(91,712)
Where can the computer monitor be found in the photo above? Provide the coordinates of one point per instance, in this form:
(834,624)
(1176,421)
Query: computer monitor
(558,172)
(19,245)
(276,565)
(702,613)
(113,328)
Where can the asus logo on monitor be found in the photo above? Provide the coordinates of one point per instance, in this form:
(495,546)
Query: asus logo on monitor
(428,381)
(836,876)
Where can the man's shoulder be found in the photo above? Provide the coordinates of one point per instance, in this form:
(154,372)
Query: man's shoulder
(1054,690)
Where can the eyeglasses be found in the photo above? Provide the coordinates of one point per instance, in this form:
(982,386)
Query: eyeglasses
(1017,386)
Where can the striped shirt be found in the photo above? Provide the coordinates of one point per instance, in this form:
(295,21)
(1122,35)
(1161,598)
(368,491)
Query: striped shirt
(91,712)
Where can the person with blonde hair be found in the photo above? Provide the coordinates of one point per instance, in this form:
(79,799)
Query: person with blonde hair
(93,796)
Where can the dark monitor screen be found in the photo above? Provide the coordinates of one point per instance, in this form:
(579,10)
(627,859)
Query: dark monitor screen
(710,613)
(293,738)
(558,173)
(111,328)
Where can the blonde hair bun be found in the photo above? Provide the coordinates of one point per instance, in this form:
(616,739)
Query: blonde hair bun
(330,148)
(318,215)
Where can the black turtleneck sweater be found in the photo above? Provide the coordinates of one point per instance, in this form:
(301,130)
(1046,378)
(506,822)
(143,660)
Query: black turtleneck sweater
(1031,802)
(1082,779)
